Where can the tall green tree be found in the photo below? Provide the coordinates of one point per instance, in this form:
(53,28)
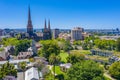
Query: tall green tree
(86,70)
(67,46)
(9,41)
(22,46)
(49,47)
(22,66)
(105,44)
(75,57)
(118,44)
(54,60)
(7,69)
(114,70)
(50,50)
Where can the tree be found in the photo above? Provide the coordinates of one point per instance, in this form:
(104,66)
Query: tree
(84,46)
(39,65)
(75,57)
(49,47)
(50,50)
(9,41)
(53,59)
(86,70)
(22,66)
(7,69)
(114,70)
(118,44)
(89,42)
(77,42)
(67,46)
(105,44)
(22,46)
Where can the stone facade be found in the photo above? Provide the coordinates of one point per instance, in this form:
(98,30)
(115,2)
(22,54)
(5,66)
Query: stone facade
(47,31)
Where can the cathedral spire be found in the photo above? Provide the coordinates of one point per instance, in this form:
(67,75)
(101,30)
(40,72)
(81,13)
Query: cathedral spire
(29,25)
(45,26)
(29,15)
(48,24)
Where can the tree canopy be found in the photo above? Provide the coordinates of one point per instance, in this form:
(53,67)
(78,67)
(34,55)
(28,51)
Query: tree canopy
(7,69)
(105,44)
(75,57)
(49,47)
(118,44)
(9,41)
(22,65)
(114,70)
(22,46)
(85,70)
(53,59)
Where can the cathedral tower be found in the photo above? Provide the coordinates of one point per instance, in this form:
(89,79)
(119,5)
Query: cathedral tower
(29,25)
(47,31)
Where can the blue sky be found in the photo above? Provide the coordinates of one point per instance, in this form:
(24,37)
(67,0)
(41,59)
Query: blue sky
(89,14)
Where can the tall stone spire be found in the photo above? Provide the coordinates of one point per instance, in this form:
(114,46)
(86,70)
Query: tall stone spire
(29,25)
(29,15)
(45,26)
(48,24)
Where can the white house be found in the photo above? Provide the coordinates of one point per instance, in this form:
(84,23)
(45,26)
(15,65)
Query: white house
(32,74)
(66,66)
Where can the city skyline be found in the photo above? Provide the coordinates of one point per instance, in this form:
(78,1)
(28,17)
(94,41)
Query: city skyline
(101,14)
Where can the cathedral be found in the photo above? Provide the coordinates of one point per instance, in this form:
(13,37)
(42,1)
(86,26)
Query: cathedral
(47,31)
(32,35)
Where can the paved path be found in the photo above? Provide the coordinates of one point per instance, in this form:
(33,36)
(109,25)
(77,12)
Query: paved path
(50,67)
(107,75)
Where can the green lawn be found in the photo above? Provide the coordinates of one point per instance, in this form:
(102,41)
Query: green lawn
(63,56)
(57,70)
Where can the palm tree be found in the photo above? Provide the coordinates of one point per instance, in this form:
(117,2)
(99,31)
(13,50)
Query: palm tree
(22,65)
(53,59)
(39,65)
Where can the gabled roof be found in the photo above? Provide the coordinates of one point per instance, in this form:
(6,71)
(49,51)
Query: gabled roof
(31,73)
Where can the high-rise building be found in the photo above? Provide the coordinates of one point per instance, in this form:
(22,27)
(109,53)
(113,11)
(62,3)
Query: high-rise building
(29,25)
(47,31)
(76,33)
(55,33)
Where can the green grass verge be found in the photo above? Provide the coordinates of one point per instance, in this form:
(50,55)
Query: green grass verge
(57,70)
(106,78)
